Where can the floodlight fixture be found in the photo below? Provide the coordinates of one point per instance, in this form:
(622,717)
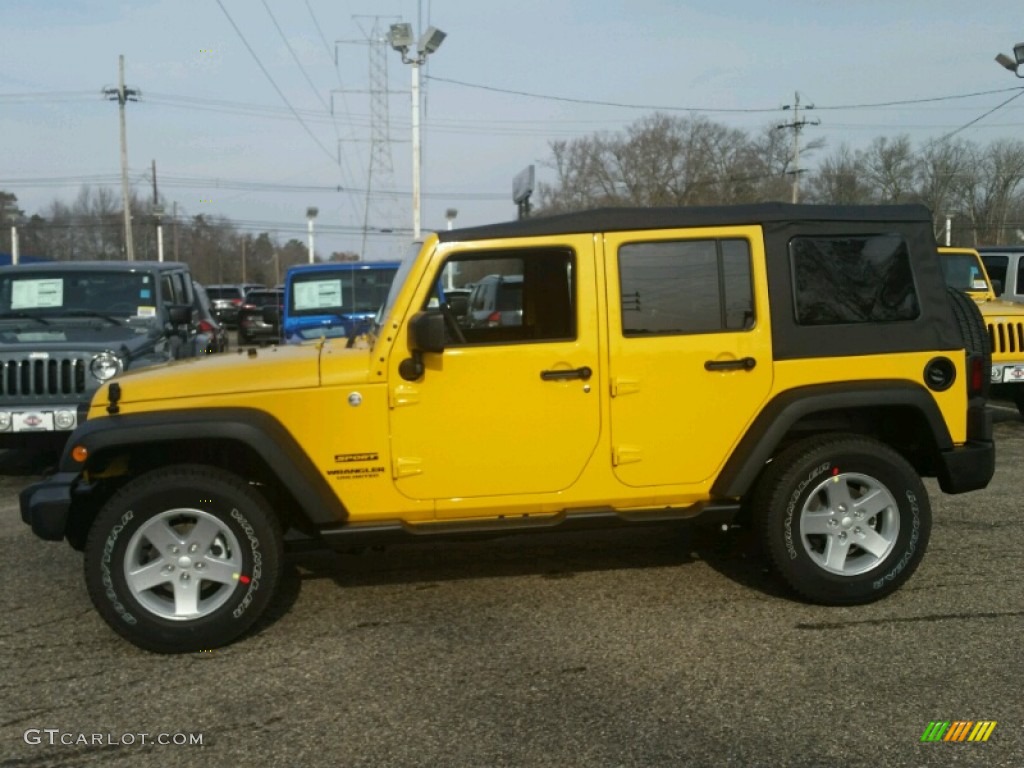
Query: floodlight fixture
(1015,63)
(1006,61)
(431,40)
(400,37)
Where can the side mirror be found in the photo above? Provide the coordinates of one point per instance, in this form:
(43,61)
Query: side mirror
(271,314)
(997,287)
(179,314)
(426,332)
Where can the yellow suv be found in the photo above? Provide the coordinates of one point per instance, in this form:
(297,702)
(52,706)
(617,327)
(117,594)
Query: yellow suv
(1004,321)
(794,368)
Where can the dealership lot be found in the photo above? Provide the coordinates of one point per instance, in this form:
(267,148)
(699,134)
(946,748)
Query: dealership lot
(655,646)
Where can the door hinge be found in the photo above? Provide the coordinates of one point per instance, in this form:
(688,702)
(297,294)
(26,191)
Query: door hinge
(407,467)
(622,386)
(626,454)
(403,394)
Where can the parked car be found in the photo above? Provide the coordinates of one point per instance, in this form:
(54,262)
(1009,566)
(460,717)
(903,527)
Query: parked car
(332,300)
(254,327)
(495,301)
(1005,265)
(213,335)
(226,300)
(1004,321)
(67,327)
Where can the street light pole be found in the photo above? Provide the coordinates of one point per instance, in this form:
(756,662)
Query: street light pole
(310,215)
(401,39)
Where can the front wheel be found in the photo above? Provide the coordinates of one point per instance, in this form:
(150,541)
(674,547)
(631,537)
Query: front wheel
(183,559)
(844,520)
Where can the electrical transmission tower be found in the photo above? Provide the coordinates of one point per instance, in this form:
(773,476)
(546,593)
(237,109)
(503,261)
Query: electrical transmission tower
(796,126)
(380,168)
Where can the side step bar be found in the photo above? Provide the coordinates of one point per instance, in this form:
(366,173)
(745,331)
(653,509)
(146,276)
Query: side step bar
(347,535)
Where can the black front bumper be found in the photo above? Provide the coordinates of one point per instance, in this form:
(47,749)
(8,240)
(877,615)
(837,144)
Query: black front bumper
(46,505)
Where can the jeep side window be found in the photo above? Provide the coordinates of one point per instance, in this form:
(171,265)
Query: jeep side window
(686,286)
(517,296)
(852,279)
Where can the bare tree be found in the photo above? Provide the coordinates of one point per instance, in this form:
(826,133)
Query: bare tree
(838,179)
(889,167)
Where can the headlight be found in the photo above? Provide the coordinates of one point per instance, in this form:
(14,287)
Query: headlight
(105,366)
(64,419)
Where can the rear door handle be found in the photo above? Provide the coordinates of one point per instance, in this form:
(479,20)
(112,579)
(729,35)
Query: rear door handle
(573,373)
(743,364)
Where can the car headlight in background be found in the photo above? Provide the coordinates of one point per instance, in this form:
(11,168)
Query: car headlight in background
(106,365)
(65,419)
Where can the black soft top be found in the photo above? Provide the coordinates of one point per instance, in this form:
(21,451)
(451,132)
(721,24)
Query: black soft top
(934,329)
(620,219)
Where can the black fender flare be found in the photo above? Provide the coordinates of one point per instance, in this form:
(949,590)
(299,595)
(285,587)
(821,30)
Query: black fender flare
(256,429)
(775,420)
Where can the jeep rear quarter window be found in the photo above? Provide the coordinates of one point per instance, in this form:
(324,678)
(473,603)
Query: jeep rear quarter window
(855,279)
(686,286)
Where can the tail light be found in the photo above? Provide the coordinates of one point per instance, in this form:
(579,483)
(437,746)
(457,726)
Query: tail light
(236,302)
(978,376)
(494,320)
(205,326)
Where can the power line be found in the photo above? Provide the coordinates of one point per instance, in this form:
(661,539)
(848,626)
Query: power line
(735,110)
(271,79)
(951,134)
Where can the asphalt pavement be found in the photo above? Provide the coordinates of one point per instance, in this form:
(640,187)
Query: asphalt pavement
(661,646)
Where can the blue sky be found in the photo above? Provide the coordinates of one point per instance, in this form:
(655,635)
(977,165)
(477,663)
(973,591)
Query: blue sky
(226,143)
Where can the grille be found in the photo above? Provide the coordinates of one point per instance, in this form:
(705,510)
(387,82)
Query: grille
(42,377)
(1006,338)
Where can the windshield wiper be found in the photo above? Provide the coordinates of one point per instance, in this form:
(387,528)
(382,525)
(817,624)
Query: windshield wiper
(24,316)
(93,313)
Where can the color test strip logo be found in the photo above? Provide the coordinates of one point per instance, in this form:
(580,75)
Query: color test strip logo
(959,730)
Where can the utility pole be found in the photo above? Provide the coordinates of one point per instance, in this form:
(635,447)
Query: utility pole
(122,95)
(796,126)
(158,212)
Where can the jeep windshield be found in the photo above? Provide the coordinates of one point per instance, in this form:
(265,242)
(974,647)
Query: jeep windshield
(109,296)
(396,284)
(963,271)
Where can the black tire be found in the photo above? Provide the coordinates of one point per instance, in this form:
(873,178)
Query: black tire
(230,570)
(804,487)
(973,330)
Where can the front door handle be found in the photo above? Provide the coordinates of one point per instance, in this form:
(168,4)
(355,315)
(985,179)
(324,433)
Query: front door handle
(573,373)
(743,364)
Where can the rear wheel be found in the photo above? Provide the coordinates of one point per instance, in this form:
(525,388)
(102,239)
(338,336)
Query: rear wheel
(183,559)
(844,520)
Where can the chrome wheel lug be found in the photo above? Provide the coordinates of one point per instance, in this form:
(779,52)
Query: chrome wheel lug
(193,547)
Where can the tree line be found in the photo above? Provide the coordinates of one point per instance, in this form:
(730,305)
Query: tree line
(92,227)
(664,160)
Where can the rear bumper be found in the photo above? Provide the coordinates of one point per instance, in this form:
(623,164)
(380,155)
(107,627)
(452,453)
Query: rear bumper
(967,468)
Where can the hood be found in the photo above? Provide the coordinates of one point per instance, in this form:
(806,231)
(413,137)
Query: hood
(235,373)
(80,335)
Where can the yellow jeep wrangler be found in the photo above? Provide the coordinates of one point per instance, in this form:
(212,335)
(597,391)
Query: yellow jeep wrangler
(1004,321)
(795,368)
